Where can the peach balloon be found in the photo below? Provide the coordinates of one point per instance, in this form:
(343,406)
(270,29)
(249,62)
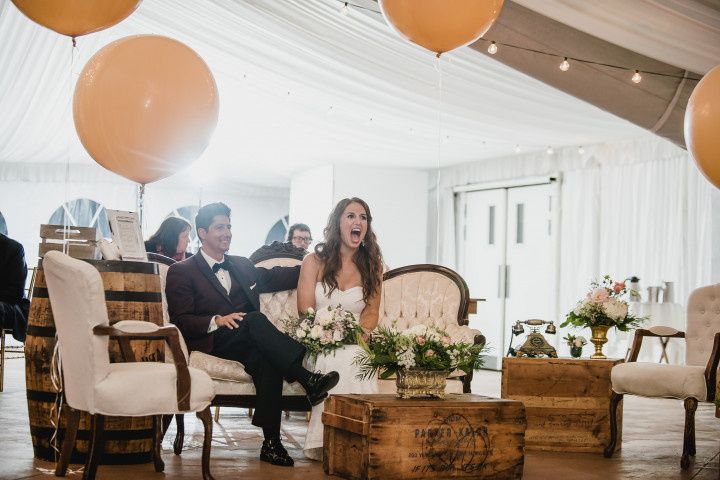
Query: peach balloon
(441,25)
(145,106)
(702,125)
(77,17)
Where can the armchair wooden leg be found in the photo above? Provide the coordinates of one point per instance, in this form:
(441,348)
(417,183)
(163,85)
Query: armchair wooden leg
(217,414)
(2,358)
(97,445)
(689,438)
(157,443)
(614,402)
(72,417)
(180,435)
(206,418)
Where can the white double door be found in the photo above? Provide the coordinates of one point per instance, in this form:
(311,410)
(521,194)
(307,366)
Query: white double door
(507,253)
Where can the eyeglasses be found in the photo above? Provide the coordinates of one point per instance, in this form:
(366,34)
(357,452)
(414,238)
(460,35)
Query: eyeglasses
(302,239)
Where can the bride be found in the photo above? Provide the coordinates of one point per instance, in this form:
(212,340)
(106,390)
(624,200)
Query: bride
(345,270)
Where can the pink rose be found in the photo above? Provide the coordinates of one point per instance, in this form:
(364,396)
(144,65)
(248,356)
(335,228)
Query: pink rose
(598,295)
(619,287)
(446,340)
(429,353)
(420,340)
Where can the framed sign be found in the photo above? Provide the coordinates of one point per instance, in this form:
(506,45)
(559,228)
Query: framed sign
(127,235)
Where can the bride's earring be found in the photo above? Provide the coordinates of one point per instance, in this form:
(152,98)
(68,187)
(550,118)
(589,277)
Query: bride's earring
(362,244)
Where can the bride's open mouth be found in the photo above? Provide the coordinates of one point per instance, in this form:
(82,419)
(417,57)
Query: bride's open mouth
(355,234)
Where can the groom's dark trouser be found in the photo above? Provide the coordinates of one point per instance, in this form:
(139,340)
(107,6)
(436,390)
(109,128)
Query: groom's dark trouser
(268,356)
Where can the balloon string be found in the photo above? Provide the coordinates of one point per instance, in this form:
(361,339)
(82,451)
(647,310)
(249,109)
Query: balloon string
(141,203)
(66,207)
(439,148)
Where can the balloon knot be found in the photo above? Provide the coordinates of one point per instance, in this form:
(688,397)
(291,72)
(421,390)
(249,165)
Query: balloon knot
(74,42)
(438,54)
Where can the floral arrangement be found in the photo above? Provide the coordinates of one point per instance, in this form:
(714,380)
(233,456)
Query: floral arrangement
(603,306)
(324,331)
(575,341)
(420,347)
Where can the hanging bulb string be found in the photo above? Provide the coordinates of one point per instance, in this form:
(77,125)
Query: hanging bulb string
(68,152)
(549,54)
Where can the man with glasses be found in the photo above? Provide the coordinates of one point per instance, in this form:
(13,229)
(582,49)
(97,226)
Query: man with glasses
(300,236)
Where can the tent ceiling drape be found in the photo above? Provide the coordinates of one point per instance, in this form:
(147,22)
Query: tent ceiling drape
(658,102)
(280,67)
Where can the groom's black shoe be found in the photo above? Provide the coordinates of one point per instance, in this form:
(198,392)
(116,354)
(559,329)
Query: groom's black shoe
(318,385)
(272,451)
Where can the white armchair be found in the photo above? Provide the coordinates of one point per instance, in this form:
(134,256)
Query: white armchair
(695,381)
(94,385)
(430,295)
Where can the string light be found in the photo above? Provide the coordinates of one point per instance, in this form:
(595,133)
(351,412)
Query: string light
(550,151)
(517,149)
(581,150)
(564,65)
(493,48)
(636,78)
(345,10)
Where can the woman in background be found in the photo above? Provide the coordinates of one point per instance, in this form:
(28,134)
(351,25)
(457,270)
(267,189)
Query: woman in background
(171,239)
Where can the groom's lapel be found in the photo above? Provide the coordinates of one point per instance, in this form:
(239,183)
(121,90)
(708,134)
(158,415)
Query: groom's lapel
(237,276)
(205,269)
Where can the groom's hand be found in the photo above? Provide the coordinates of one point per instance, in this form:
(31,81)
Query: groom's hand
(230,320)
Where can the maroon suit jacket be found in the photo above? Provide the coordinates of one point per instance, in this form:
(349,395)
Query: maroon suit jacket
(195,295)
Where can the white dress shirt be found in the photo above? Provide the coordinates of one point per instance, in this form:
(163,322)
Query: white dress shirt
(223,277)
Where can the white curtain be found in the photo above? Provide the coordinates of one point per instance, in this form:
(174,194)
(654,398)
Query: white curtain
(637,207)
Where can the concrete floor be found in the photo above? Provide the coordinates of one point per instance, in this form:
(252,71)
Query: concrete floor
(652,443)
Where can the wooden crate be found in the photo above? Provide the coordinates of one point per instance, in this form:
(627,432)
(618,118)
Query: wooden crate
(567,402)
(463,436)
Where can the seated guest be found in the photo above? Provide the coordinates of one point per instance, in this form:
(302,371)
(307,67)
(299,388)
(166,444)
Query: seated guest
(14,306)
(171,239)
(214,300)
(300,236)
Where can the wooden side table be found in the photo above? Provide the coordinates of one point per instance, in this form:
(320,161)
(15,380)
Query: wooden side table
(567,401)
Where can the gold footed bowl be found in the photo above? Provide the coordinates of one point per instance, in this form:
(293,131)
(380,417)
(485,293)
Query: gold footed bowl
(599,338)
(413,383)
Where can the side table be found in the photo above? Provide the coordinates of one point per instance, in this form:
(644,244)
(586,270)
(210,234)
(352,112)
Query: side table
(567,401)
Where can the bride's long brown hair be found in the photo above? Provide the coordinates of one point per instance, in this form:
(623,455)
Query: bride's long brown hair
(367,258)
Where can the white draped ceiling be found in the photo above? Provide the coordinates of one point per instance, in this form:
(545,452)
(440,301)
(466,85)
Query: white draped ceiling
(300,86)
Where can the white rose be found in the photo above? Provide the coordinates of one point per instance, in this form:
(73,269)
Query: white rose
(316,332)
(337,336)
(324,317)
(418,330)
(615,309)
(300,333)
(310,311)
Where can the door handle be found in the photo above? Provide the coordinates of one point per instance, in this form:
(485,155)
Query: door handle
(500,293)
(507,281)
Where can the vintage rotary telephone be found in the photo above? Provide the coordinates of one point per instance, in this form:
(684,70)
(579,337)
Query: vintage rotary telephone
(535,344)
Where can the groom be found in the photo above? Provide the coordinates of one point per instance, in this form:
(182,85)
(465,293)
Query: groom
(213,300)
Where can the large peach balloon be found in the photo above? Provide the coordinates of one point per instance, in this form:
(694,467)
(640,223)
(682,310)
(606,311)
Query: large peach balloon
(702,125)
(441,25)
(77,17)
(145,107)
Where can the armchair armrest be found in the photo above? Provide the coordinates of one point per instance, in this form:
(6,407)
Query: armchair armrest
(712,369)
(170,334)
(657,331)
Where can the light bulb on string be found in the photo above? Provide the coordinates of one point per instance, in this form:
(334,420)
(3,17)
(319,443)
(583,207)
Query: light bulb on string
(550,150)
(493,48)
(636,78)
(345,10)
(564,65)
(517,148)
(412,131)
(581,150)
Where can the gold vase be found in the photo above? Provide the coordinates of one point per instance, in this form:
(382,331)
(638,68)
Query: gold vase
(599,338)
(413,383)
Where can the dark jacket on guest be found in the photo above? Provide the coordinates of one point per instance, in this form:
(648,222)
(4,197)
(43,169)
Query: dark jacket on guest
(13,273)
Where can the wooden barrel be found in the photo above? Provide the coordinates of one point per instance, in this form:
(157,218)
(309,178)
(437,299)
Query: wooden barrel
(132,292)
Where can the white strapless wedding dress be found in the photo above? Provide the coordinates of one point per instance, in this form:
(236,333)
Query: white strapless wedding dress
(341,360)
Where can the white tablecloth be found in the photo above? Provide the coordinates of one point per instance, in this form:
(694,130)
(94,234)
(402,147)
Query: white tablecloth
(665,314)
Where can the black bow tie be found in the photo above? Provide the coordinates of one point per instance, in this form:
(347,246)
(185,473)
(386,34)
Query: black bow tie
(225,265)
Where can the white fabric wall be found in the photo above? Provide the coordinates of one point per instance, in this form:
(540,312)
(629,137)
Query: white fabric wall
(637,207)
(30,193)
(396,197)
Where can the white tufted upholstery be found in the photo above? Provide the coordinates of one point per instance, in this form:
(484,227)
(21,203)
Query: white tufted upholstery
(703,321)
(423,297)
